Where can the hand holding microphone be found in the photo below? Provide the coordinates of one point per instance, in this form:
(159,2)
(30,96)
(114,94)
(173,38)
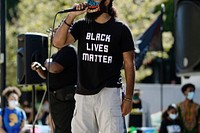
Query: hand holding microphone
(91,5)
(76,7)
(76,10)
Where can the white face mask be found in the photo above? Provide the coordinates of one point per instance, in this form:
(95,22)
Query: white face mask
(12,104)
(46,107)
(173,116)
(190,95)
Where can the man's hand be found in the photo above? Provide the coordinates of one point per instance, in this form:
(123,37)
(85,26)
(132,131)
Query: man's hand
(35,66)
(126,107)
(80,9)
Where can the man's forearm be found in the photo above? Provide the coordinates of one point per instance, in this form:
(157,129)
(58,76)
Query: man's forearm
(42,73)
(129,66)
(60,37)
(130,80)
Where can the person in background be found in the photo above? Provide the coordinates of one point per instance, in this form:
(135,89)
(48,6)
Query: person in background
(28,110)
(61,74)
(104,44)
(45,112)
(26,106)
(12,118)
(49,121)
(140,115)
(189,111)
(170,122)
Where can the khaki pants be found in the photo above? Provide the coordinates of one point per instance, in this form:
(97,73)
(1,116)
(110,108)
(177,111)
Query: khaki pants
(98,113)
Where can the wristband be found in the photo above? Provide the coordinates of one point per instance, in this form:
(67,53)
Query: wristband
(128,99)
(67,23)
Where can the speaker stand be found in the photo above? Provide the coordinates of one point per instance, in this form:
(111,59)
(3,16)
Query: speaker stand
(33,108)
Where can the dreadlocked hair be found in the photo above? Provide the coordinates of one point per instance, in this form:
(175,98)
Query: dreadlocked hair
(11,89)
(111,9)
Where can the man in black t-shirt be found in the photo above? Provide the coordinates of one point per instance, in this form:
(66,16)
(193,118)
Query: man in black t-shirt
(61,81)
(104,44)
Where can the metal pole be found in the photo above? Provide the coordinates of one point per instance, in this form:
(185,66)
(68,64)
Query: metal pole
(3,49)
(33,106)
(162,50)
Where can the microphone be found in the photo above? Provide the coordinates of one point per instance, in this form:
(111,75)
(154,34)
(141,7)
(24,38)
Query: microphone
(72,9)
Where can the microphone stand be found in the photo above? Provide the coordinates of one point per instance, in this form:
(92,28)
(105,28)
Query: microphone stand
(33,86)
(51,44)
(33,108)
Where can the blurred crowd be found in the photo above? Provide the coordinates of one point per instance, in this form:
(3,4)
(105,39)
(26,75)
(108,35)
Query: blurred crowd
(15,115)
(43,114)
(181,117)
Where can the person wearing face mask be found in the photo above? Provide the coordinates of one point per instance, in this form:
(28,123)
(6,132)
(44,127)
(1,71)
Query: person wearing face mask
(170,122)
(140,114)
(12,118)
(104,44)
(189,110)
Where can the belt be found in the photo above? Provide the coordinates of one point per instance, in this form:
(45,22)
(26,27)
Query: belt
(63,94)
(56,93)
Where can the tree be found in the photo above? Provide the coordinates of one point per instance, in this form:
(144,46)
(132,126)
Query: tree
(38,15)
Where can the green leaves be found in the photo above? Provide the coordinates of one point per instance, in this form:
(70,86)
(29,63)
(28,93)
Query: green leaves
(38,15)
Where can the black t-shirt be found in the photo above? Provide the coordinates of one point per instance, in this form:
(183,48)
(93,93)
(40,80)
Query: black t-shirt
(135,118)
(100,48)
(170,126)
(67,57)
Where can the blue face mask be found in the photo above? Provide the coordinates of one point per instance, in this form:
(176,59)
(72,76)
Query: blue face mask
(173,116)
(190,95)
(92,3)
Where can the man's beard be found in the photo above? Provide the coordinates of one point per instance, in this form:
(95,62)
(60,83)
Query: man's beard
(92,16)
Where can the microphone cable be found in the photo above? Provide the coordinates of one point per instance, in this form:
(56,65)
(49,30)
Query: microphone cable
(47,77)
(51,31)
